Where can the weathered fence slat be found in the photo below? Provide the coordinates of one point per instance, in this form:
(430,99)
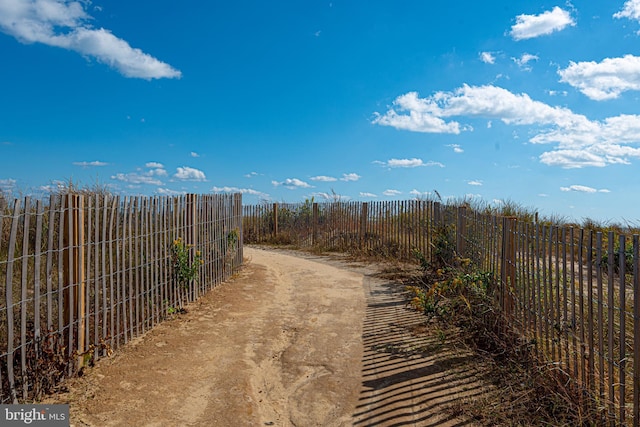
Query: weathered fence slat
(9,299)
(572,321)
(610,353)
(120,271)
(636,330)
(36,278)
(590,316)
(538,318)
(2,220)
(583,346)
(24,261)
(600,318)
(90,279)
(49,268)
(97,274)
(622,358)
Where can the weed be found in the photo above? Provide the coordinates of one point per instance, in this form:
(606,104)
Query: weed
(232,239)
(171,310)
(627,254)
(456,294)
(444,246)
(185,264)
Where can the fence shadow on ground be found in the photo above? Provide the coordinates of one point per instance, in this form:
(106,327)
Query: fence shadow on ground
(410,377)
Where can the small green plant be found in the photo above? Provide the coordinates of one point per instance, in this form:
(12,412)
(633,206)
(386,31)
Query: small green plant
(448,290)
(443,246)
(232,239)
(628,259)
(172,310)
(425,265)
(185,265)
(450,284)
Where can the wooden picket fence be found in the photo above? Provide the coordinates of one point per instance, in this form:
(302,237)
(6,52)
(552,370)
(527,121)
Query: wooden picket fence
(82,275)
(392,229)
(572,294)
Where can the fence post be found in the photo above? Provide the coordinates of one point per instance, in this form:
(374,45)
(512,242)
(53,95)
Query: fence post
(191,220)
(191,237)
(314,225)
(237,200)
(437,214)
(508,265)
(74,273)
(364,217)
(9,301)
(275,220)
(461,231)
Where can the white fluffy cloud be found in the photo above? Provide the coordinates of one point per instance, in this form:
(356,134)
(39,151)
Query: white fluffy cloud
(391,193)
(364,194)
(148,177)
(156,169)
(480,101)
(475,182)
(323,178)
(523,61)
(169,192)
(457,148)
(186,173)
(291,183)
(578,141)
(240,190)
(65,24)
(630,10)
(137,178)
(606,79)
(530,26)
(90,164)
(7,184)
(350,177)
(407,163)
(487,57)
(423,115)
(583,189)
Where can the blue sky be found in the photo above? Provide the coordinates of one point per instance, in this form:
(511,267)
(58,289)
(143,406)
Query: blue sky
(535,102)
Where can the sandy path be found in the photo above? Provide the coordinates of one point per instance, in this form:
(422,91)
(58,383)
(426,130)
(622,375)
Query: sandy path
(279,345)
(291,341)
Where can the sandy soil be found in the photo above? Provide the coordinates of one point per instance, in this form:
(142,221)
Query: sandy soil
(292,340)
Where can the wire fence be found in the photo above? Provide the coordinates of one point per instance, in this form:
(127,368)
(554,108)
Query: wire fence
(82,275)
(573,294)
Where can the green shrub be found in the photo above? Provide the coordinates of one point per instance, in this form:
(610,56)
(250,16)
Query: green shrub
(185,267)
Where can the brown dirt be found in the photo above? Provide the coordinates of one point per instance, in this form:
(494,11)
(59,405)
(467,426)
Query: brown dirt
(292,340)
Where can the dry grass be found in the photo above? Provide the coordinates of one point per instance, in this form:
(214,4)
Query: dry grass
(528,392)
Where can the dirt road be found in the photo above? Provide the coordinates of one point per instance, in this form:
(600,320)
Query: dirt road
(291,341)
